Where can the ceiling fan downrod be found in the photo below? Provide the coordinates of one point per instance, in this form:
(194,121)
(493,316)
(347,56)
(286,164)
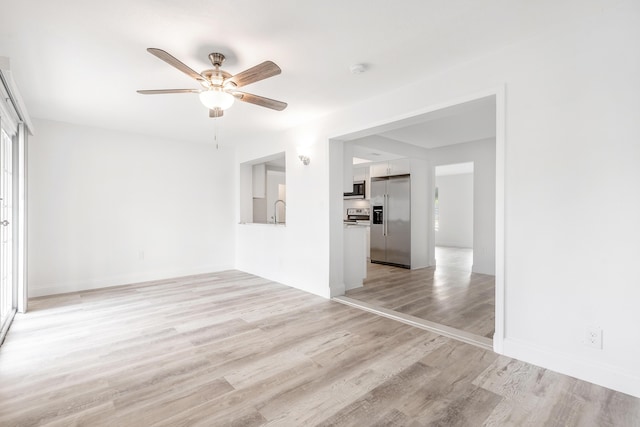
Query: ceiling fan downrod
(216,59)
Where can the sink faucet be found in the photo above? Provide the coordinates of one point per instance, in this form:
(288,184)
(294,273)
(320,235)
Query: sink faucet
(275,210)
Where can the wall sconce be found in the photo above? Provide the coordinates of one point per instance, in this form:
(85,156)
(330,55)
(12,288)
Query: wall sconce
(304,149)
(304,159)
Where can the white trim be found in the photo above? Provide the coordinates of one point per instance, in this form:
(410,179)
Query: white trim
(597,373)
(12,88)
(21,219)
(499,334)
(8,114)
(7,325)
(417,322)
(56,288)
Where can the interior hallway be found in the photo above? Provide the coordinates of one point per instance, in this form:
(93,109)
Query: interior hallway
(449,294)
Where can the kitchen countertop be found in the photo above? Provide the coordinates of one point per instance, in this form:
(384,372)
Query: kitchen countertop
(280,224)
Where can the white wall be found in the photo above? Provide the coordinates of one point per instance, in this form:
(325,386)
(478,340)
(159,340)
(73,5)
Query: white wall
(455,207)
(571,161)
(421,226)
(297,253)
(110,208)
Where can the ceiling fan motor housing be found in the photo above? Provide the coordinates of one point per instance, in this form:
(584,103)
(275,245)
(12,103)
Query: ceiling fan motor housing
(215,77)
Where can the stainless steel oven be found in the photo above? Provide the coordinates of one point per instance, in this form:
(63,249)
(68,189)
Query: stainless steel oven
(359,216)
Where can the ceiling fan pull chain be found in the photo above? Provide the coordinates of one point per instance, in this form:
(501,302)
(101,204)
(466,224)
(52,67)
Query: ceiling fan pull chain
(215,132)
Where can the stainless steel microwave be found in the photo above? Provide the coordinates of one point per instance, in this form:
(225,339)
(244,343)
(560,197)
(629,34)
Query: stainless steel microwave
(358,191)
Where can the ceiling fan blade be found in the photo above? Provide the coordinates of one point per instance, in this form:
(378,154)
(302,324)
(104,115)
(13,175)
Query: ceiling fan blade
(254,74)
(159,53)
(260,100)
(216,112)
(162,91)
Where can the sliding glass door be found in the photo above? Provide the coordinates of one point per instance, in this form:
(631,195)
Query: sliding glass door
(15,126)
(8,297)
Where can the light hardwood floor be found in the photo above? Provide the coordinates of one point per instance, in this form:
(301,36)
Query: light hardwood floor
(448,295)
(234,349)
(452,257)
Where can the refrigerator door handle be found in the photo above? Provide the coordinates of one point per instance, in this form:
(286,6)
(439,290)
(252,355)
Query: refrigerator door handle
(386,214)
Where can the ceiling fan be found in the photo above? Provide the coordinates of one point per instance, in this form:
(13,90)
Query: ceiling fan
(219,87)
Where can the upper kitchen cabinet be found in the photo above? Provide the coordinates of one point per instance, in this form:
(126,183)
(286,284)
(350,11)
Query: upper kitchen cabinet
(379,169)
(390,168)
(360,174)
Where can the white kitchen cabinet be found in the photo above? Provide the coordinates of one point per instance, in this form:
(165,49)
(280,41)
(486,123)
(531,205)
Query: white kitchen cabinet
(368,247)
(390,168)
(360,174)
(399,167)
(259,177)
(379,169)
(355,256)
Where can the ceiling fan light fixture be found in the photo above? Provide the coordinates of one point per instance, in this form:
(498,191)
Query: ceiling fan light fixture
(220,86)
(216,98)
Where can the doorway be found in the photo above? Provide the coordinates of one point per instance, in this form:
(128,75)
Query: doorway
(453,216)
(453,291)
(480,273)
(7,285)
(15,126)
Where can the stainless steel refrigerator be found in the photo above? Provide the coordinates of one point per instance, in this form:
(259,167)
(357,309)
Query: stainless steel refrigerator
(391,220)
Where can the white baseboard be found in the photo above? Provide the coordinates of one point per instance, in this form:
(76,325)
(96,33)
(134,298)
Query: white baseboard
(597,373)
(39,290)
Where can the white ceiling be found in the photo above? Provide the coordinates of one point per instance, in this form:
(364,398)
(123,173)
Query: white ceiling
(454,125)
(454,169)
(470,121)
(81,61)
(368,154)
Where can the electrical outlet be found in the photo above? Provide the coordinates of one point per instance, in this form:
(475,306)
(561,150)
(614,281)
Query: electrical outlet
(141,255)
(593,337)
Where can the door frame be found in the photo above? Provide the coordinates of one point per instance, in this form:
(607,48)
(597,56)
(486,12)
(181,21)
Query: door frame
(14,108)
(337,156)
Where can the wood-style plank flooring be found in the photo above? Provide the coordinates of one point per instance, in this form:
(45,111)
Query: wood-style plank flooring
(234,349)
(449,295)
(452,257)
